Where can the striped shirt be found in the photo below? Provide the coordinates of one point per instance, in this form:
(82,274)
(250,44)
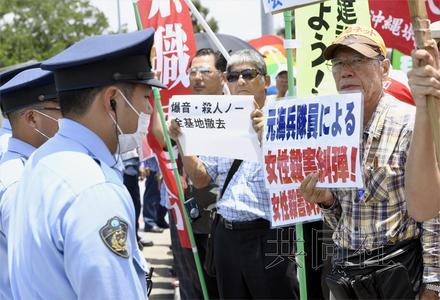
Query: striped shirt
(377,215)
(246,198)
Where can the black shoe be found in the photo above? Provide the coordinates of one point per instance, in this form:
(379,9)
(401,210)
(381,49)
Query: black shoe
(163,225)
(146,243)
(154,228)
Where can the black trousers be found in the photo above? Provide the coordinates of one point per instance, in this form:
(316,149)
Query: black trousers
(189,283)
(132,184)
(255,263)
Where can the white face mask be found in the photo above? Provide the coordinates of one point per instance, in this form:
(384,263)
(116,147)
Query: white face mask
(130,141)
(47,116)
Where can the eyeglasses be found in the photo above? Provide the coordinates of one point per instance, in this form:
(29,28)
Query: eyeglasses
(354,63)
(246,74)
(204,71)
(48,108)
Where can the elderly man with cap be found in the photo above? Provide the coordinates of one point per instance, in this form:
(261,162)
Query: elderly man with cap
(30,102)
(378,246)
(73,227)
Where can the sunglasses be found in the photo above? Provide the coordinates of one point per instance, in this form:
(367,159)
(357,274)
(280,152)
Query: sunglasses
(246,74)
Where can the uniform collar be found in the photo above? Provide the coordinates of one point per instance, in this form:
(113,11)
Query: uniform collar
(87,138)
(22,148)
(6,125)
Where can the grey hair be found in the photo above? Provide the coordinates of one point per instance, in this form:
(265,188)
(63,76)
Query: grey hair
(247,56)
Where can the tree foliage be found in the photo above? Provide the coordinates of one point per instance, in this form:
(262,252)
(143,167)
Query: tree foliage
(204,12)
(38,29)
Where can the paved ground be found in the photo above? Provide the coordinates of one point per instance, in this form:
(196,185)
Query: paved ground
(160,257)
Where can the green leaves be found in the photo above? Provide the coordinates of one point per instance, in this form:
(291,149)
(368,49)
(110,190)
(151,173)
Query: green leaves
(38,29)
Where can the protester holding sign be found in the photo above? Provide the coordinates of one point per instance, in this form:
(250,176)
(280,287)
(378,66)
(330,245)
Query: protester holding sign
(206,78)
(377,243)
(247,264)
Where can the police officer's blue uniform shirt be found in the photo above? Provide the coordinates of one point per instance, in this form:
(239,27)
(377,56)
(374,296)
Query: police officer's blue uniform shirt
(5,134)
(11,170)
(72,232)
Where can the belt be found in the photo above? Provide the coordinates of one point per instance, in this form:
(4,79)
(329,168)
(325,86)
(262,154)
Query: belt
(254,224)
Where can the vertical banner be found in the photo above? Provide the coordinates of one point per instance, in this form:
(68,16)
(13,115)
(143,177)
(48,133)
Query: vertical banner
(174,42)
(391,19)
(313,135)
(316,27)
(174,45)
(166,170)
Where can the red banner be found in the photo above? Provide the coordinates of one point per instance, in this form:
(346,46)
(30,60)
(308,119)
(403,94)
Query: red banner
(172,191)
(174,43)
(392,20)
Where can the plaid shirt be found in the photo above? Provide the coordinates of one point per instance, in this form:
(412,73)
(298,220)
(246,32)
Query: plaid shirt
(246,198)
(377,215)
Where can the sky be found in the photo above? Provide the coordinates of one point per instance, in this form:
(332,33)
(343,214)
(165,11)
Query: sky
(236,17)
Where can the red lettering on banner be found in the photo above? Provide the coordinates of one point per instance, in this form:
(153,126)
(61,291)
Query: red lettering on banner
(301,204)
(289,205)
(174,42)
(339,163)
(354,151)
(284,206)
(324,164)
(309,161)
(291,196)
(270,160)
(330,163)
(283,166)
(296,167)
(276,207)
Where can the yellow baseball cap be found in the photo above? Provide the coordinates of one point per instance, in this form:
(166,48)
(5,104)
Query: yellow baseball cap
(364,40)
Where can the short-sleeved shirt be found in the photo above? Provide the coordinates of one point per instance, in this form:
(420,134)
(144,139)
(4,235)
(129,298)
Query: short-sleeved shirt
(72,232)
(5,134)
(246,197)
(11,170)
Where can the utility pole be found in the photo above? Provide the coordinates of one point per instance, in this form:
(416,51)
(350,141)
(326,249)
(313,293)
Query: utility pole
(266,21)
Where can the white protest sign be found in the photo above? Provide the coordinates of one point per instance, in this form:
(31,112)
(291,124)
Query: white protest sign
(276,6)
(319,135)
(216,126)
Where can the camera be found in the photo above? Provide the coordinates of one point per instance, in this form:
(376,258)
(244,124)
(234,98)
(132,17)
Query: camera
(192,208)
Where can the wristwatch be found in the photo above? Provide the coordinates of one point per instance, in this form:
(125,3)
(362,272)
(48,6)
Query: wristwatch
(433,287)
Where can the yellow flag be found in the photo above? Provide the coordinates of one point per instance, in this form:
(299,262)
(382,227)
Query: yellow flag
(316,27)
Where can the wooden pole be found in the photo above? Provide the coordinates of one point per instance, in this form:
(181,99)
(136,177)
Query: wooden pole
(422,35)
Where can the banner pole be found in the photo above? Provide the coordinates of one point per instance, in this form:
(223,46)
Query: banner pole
(208,29)
(298,227)
(176,174)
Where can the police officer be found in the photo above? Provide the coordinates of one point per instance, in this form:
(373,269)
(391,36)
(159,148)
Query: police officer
(29,100)
(76,239)
(5,76)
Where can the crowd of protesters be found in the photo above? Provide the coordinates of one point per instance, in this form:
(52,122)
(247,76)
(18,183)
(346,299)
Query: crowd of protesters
(71,157)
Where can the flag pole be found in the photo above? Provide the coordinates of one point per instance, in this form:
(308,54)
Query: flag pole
(208,29)
(298,227)
(422,36)
(159,107)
